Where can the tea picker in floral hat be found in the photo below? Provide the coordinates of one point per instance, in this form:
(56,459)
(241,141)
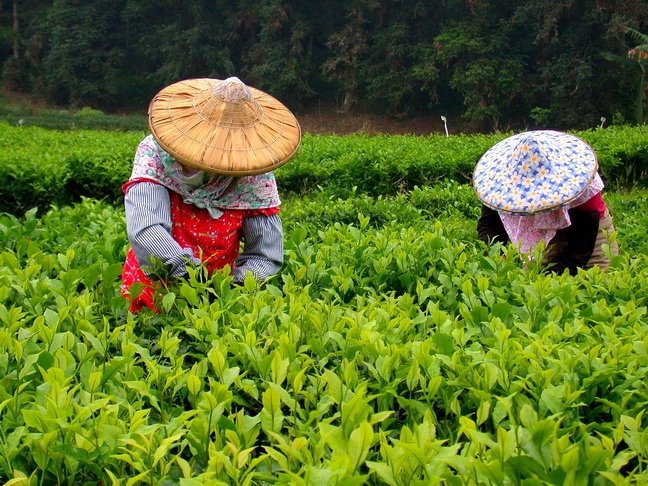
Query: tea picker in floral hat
(202,182)
(543,186)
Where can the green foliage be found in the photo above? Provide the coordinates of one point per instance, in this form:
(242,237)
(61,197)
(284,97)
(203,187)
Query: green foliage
(490,62)
(636,60)
(388,165)
(567,75)
(623,158)
(393,347)
(380,54)
(322,210)
(404,353)
(630,222)
(64,120)
(541,116)
(280,61)
(380,165)
(81,59)
(445,198)
(41,167)
(87,111)
(488,76)
(190,45)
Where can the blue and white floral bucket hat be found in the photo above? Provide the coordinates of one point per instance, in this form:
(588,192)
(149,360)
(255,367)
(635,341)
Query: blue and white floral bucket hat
(534,172)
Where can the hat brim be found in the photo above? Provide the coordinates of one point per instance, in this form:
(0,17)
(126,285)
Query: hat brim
(534,172)
(229,144)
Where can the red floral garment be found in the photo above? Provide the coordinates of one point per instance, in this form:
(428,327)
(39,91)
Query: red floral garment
(215,241)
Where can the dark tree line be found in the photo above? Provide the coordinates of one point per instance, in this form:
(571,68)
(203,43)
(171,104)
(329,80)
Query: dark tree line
(495,62)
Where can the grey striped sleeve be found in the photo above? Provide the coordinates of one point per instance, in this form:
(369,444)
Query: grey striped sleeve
(263,249)
(148,224)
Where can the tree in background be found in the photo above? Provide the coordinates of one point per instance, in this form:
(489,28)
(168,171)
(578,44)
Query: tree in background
(82,52)
(178,40)
(17,20)
(399,71)
(348,47)
(497,63)
(572,84)
(279,58)
(490,82)
(381,55)
(636,61)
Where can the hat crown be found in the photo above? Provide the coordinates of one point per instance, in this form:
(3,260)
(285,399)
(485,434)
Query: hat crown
(531,154)
(232,90)
(229,103)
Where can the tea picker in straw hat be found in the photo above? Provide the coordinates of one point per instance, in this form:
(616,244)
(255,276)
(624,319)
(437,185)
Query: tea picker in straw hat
(202,182)
(544,186)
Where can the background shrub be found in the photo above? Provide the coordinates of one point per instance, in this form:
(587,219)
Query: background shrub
(41,167)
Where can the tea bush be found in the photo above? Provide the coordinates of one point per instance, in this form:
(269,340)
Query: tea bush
(419,205)
(41,167)
(393,348)
(84,119)
(390,350)
(622,154)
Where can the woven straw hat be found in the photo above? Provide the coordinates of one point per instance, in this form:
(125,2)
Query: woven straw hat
(223,126)
(534,172)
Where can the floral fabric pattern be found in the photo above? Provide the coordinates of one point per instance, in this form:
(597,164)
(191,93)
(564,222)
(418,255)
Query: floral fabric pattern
(534,171)
(526,231)
(204,190)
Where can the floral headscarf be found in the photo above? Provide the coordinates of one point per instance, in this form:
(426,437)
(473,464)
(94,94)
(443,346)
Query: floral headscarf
(202,189)
(527,231)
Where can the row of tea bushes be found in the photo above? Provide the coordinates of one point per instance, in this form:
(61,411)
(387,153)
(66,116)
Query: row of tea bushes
(399,353)
(41,167)
(449,201)
(84,119)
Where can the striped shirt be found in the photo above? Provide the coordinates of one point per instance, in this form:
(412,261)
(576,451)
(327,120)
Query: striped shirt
(148,224)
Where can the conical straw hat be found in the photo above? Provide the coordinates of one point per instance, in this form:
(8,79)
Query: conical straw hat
(534,172)
(223,126)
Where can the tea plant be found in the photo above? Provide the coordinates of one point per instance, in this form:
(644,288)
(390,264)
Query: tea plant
(393,348)
(40,168)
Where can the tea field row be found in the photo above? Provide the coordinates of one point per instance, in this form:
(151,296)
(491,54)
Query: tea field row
(393,348)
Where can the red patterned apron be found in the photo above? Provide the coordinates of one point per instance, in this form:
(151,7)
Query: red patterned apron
(215,241)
